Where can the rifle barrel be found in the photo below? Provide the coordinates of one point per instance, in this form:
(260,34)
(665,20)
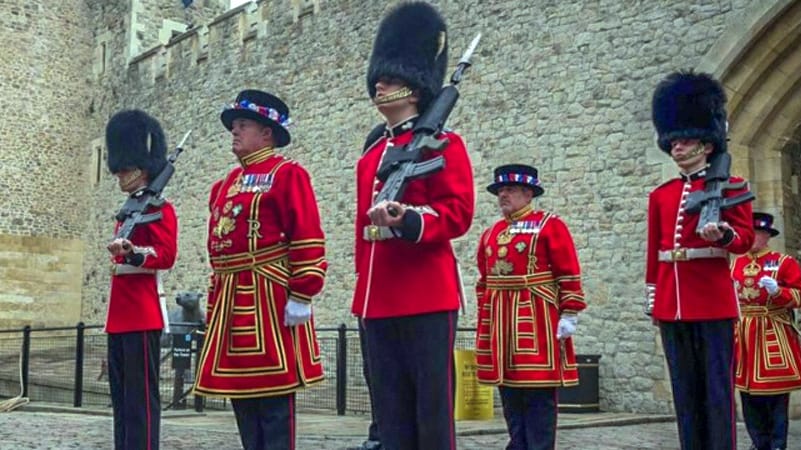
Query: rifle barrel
(179,148)
(464,62)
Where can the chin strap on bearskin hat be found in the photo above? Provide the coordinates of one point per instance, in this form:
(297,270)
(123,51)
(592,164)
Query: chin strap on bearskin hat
(134,140)
(688,105)
(411,45)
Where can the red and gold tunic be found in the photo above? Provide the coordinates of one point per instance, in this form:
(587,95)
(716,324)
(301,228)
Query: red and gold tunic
(134,301)
(265,244)
(416,274)
(695,289)
(766,338)
(529,276)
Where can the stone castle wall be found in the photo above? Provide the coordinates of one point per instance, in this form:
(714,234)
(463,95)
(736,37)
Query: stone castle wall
(46,169)
(564,86)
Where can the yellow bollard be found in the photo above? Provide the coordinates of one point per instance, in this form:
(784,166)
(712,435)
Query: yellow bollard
(473,400)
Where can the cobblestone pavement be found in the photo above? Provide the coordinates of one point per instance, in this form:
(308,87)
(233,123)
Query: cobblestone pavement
(31,429)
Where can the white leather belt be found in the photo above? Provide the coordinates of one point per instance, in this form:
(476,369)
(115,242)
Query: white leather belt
(127,269)
(686,254)
(376,233)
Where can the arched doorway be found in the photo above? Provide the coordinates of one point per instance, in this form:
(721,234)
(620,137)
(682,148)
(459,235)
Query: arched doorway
(759,62)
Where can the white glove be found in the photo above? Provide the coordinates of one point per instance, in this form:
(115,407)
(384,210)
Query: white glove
(566,327)
(650,295)
(296,312)
(770,284)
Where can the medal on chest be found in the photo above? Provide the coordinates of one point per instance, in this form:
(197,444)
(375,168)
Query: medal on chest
(524,227)
(507,245)
(502,266)
(257,182)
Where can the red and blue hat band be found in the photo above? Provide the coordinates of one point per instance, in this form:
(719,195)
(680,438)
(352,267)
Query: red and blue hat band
(283,120)
(520,178)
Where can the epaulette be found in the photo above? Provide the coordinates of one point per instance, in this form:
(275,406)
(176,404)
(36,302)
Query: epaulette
(373,137)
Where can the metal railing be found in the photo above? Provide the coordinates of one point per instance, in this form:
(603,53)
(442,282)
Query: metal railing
(67,365)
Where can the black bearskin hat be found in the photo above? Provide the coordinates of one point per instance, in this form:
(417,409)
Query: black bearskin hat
(411,45)
(689,105)
(135,140)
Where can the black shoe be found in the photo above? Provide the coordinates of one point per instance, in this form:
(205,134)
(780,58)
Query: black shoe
(367,445)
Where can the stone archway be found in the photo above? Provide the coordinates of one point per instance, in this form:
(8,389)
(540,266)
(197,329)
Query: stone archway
(758,60)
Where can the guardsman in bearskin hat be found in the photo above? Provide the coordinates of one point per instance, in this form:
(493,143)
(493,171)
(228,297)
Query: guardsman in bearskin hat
(136,310)
(529,296)
(768,351)
(267,252)
(408,289)
(689,289)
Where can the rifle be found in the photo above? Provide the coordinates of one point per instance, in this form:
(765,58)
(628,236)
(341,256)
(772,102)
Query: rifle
(133,210)
(403,164)
(711,201)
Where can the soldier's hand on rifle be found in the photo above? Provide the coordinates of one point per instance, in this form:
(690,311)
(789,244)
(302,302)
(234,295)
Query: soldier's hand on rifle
(120,247)
(713,232)
(387,214)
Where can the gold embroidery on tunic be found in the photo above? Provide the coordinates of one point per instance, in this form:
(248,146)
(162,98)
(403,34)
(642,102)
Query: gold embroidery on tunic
(504,237)
(520,247)
(752,269)
(224,226)
(253,228)
(502,251)
(502,267)
(532,262)
(221,245)
(749,293)
(236,187)
(488,251)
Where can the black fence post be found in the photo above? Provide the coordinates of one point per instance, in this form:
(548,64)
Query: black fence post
(199,342)
(342,369)
(26,356)
(79,356)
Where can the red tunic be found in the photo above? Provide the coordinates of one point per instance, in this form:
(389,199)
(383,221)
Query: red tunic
(767,340)
(529,275)
(697,289)
(265,243)
(399,277)
(134,301)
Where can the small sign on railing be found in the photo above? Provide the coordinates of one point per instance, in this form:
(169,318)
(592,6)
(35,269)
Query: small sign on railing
(182,351)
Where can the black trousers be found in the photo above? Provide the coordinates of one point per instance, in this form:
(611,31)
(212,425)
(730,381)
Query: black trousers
(700,356)
(766,419)
(530,415)
(411,371)
(372,431)
(133,375)
(266,423)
